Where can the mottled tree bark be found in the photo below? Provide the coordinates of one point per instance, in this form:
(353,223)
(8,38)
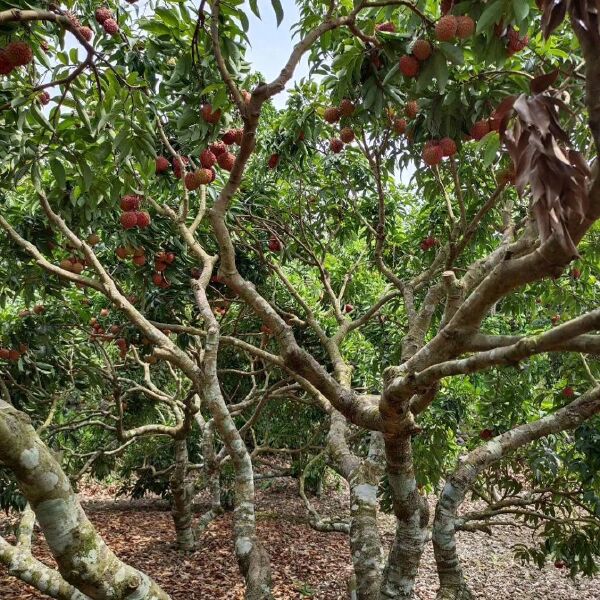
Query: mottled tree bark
(452,581)
(412,516)
(84,560)
(181,490)
(212,471)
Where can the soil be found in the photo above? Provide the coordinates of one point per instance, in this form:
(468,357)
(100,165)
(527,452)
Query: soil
(306,563)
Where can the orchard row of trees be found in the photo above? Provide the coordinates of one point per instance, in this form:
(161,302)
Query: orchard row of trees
(196,283)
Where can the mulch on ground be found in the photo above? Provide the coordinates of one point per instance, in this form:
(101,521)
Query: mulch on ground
(306,563)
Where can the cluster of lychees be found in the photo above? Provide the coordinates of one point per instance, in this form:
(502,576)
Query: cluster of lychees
(435,150)
(447,29)
(132,215)
(10,354)
(161,262)
(332,115)
(137,255)
(105,18)
(428,243)
(400,124)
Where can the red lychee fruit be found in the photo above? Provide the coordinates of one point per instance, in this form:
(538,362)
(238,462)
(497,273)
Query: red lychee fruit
(143,219)
(421,50)
(213,174)
(479,130)
(160,266)
(412,109)
(336,145)
(39,309)
(445,28)
(14,355)
(486,434)
(208,159)
(218,148)
(226,161)
(139,261)
(77,268)
(332,114)
(516,43)
(104,312)
(5,65)
(157,279)
(43,98)
(347,108)
(179,164)
(209,115)
(555,319)
(465,27)
(4,354)
(129,220)
(138,252)
(102,14)
(428,243)
(273,161)
(348,308)
(130,202)
(192,181)
(409,66)
(433,154)
(568,392)
(575,273)
(388,26)
(448,146)
(18,53)
(170,258)
(239,136)
(122,251)
(400,126)
(274,244)
(111,26)
(205,176)
(560,564)
(162,165)
(347,135)
(229,137)
(86,33)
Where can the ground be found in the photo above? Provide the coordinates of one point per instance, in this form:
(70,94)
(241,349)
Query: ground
(306,564)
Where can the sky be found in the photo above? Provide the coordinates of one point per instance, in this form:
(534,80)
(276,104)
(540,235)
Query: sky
(272,45)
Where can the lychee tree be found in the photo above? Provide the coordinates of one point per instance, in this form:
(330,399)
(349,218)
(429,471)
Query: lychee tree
(475,96)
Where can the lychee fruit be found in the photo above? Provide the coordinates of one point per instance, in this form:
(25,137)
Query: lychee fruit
(274,244)
(86,33)
(43,98)
(348,308)
(209,115)
(14,355)
(111,26)
(122,251)
(575,273)
(5,65)
(273,161)
(433,154)
(77,268)
(568,392)
(162,165)
(192,181)
(409,66)
(347,108)
(332,114)
(18,53)
(412,109)
(400,126)
(205,176)
(445,28)
(388,27)
(4,354)
(465,27)
(479,130)
(486,434)
(139,261)
(130,202)
(239,136)
(208,159)
(347,135)
(448,146)
(226,161)
(336,145)
(179,164)
(143,219)
(218,148)
(421,50)
(129,220)
(213,174)
(102,14)
(229,137)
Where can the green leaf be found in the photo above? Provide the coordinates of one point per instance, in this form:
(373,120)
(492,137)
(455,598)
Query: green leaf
(453,53)
(278,11)
(254,8)
(490,15)
(59,172)
(391,73)
(440,69)
(521,9)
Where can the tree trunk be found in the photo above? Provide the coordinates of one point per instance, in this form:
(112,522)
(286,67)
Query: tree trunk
(84,560)
(182,498)
(412,517)
(212,472)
